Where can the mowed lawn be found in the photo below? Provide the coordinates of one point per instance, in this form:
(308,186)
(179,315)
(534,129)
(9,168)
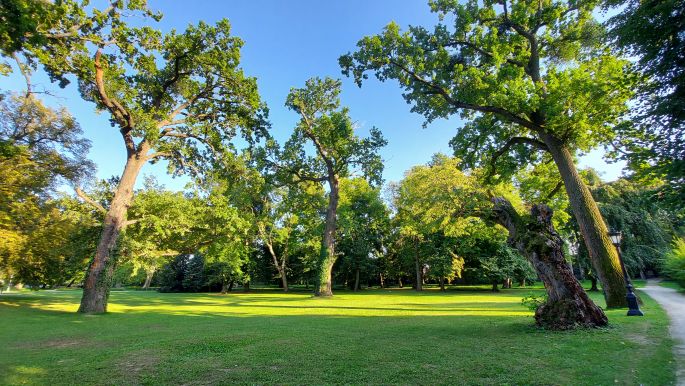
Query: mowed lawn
(371,337)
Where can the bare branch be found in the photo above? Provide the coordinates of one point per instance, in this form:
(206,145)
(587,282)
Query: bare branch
(89,200)
(157,155)
(25,73)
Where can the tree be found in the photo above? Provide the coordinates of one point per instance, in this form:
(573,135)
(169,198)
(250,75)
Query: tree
(162,227)
(653,31)
(282,215)
(442,261)
(567,305)
(40,148)
(533,82)
(179,97)
(338,150)
(364,223)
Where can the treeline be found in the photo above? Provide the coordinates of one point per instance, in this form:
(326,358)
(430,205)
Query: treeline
(536,84)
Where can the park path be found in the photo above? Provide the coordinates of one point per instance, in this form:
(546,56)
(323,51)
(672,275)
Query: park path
(674,304)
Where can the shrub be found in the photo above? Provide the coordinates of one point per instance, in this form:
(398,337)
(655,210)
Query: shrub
(674,262)
(533,302)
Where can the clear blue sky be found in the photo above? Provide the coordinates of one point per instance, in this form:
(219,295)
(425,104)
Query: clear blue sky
(287,42)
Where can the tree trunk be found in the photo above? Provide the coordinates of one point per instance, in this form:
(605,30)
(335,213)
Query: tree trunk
(494,286)
(148,279)
(324,285)
(567,306)
(602,253)
(99,276)
(506,283)
(279,267)
(419,272)
(230,286)
(356,280)
(593,284)
(522,282)
(380,276)
(246,286)
(399,280)
(224,287)
(442,284)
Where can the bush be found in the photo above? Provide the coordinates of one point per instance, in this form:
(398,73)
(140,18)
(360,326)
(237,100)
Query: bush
(674,262)
(533,302)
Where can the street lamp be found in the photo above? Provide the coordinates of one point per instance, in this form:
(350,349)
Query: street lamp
(633,307)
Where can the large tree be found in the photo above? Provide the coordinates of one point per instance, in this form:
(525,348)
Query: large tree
(339,153)
(533,83)
(179,97)
(653,31)
(40,149)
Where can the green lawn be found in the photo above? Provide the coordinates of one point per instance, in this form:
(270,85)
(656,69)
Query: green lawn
(372,337)
(671,284)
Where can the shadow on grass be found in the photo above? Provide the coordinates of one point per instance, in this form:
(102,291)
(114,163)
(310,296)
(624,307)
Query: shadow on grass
(169,343)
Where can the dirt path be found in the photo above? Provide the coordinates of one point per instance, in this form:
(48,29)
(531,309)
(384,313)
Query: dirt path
(674,304)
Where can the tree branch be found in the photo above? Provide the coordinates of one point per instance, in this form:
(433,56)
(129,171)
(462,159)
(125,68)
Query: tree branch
(121,115)
(556,189)
(507,146)
(503,113)
(89,200)
(482,51)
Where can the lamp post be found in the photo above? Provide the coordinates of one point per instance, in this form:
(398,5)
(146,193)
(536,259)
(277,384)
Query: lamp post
(633,307)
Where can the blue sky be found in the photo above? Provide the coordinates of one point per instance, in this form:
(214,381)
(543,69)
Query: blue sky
(287,42)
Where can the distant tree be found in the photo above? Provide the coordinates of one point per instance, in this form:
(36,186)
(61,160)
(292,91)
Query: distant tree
(534,83)
(162,227)
(283,216)
(648,222)
(363,225)
(40,148)
(338,152)
(441,259)
(437,207)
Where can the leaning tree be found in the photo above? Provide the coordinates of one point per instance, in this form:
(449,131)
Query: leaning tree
(179,97)
(339,152)
(533,83)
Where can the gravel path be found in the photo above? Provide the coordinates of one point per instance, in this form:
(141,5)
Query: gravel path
(674,304)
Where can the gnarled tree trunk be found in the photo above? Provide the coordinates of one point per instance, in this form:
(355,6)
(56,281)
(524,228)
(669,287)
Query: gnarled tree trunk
(99,277)
(602,253)
(567,306)
(324,285)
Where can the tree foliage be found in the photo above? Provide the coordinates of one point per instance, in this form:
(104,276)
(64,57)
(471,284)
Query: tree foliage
(654,144)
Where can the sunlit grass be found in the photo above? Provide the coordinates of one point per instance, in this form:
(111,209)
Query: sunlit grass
(378,336)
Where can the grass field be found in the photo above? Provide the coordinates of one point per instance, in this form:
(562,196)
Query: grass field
(372,337)
(671,284)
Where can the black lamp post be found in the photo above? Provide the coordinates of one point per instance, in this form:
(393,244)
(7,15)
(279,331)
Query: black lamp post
(633,307)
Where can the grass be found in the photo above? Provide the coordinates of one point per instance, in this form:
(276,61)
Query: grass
(671,284)
(372,337)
